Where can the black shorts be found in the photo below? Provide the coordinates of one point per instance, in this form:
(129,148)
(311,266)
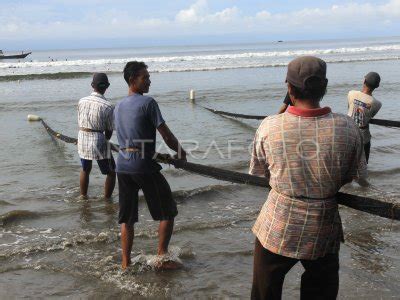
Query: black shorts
(156,191)
(106,166)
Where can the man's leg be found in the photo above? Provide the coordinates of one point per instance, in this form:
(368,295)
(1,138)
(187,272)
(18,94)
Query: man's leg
(164,235)
(127,233)
(107,167)
(161,204)
(321,278)
(367,150)
(109,185)
(269,272)
(128,214)
(84,177)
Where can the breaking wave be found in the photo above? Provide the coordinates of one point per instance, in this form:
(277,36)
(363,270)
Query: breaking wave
(58,243)
(54,76)
(56,70)
(249,65)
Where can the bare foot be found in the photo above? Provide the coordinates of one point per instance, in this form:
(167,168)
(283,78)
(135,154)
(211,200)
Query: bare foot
(125,265)
(168,265)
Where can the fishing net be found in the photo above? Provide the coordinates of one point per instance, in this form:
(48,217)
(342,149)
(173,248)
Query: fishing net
(365,204)
(380,122)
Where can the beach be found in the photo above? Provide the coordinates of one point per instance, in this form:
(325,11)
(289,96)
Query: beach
(53,244)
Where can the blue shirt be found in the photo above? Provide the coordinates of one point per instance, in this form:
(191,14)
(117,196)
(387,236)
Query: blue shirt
(136,119)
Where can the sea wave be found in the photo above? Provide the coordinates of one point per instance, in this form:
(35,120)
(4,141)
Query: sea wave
(49,241)
(5,203)
(58,242)
(47,73)
(17,215)
(212,57)
(392,149)
(386,172)
(181,195)
(55,76)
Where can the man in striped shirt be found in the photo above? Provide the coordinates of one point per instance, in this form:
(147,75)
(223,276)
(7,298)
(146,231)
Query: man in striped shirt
(308,153)
(95,119)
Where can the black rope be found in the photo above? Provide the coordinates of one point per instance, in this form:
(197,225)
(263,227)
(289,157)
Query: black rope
(225,113)
(68,139)
(59,136)
(379,122)
(388,123)
(365,204)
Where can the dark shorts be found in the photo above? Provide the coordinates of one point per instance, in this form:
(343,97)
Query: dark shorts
(106,165)
(156,191)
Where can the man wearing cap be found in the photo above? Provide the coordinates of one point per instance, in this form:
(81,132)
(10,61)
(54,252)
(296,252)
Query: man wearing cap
(308,153)
(363,107)
(95,120)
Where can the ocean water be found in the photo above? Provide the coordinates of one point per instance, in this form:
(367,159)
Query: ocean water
(54,245)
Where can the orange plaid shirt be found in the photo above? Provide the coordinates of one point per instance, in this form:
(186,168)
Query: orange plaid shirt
(308,155)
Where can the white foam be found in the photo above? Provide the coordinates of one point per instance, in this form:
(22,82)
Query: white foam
(199,62)
(191,58)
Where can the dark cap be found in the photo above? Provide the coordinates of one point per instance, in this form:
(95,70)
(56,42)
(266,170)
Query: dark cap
(372,79)
(100,80)
(304,68)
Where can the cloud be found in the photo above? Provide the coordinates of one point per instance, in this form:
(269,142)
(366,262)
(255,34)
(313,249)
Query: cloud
(225,16)
(263,15)
(392,8)
(50,21)
(195,13)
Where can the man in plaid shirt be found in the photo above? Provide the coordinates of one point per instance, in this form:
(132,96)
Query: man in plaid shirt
(95,119)
(308,153)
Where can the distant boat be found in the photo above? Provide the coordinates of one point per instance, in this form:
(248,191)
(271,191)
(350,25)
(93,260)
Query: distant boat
(14,56)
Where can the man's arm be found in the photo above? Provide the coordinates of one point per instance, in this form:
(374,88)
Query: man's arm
(171,141)
(258,161)
(283,108)
(375,108)
(110,124)
(350,103)
(108,134)
(286,102)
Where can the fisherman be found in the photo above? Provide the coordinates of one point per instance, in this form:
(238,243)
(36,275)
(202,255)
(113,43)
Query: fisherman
(363,107)
(137,117)
(95,119)
(308,153)
(286,103)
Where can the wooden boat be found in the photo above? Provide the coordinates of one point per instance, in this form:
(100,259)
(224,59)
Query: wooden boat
(14,56)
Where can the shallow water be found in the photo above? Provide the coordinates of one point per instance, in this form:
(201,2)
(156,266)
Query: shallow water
(54,245)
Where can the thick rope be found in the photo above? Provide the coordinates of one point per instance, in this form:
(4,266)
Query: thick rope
(379,122)
(68,139)
(365,204)
(241,116)
(387,123)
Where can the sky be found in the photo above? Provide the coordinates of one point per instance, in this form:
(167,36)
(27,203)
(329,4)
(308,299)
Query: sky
(71,24)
